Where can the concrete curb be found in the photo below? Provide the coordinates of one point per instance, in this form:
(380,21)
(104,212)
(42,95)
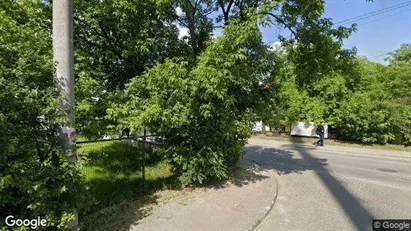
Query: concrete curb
(269,207)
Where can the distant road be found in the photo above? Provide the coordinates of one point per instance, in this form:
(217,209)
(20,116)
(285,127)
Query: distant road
(334,188)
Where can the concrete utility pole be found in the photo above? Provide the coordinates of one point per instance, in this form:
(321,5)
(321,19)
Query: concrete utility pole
(64,73)
(64,70)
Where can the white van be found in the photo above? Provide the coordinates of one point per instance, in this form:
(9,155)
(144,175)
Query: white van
(306,129)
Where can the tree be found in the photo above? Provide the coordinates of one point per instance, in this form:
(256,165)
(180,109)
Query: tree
(116,40)
(398,83)
(36,179)
(236,80)
(199,25)
(113,47)
(122,38)
(204,112)
(378,111)
(401,54)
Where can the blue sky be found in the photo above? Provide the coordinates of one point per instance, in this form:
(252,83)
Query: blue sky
(380,33)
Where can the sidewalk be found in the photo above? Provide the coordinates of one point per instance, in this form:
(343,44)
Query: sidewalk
(239,204)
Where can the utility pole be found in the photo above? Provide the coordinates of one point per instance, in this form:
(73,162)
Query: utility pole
(63,58)
(64,71)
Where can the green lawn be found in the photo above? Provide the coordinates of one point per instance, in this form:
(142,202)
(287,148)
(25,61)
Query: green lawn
(113,173)
(331,142)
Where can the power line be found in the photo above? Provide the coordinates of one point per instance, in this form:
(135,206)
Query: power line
(381,55)
(391,15)
(387,9)
(374,13)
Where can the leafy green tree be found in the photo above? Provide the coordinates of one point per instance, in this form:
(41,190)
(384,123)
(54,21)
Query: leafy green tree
(204,112)
(314,101)
(378,111)
(195,19)
(112,47)
(398,83)
(319,80)
(312,77)
(401,54)
(364,118)
(121,39)
(116,40)
(398,74)
(36,178)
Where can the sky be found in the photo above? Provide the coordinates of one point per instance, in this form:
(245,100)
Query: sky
(378,33)
(381,29)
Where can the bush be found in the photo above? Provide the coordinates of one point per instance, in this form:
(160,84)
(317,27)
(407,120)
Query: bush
(362,119)
(367,119)
(203,111)
(379,111)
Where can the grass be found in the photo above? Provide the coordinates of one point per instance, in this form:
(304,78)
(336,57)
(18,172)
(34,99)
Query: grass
(81,138)
(113,173)
(333,142)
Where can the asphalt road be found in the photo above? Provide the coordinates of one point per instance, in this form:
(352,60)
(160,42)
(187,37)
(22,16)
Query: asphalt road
(334,188)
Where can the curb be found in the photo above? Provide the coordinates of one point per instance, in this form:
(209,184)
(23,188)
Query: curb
(270,207)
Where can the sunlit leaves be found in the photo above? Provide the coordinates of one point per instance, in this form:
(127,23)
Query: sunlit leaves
(204,112)
(32,183)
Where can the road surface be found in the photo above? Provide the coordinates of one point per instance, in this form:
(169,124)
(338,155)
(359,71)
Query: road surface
(334,188)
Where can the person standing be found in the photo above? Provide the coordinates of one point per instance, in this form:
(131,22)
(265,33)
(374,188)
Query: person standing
(320,133)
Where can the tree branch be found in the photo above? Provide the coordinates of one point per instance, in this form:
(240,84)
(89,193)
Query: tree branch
(182,22)
(283,23)
(229,7)
(196,5)
(226,12)
(109,40)
(222,6)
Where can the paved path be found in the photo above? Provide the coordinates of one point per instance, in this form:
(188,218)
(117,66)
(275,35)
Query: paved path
(334,188)
(235,205)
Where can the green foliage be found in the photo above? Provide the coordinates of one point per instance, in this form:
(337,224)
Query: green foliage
(199,26)
(363,101)
(310,76)
(116,40)
(401,54)
(318,52)
(204,112)
(112,47)
(363,118)
(372,119)
(35,176)
(379,111)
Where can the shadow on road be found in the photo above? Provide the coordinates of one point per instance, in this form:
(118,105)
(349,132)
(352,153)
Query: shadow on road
(285,161)
(281,160)
(360,217)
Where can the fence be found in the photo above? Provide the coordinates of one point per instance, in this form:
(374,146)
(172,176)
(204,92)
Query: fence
(115,169)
